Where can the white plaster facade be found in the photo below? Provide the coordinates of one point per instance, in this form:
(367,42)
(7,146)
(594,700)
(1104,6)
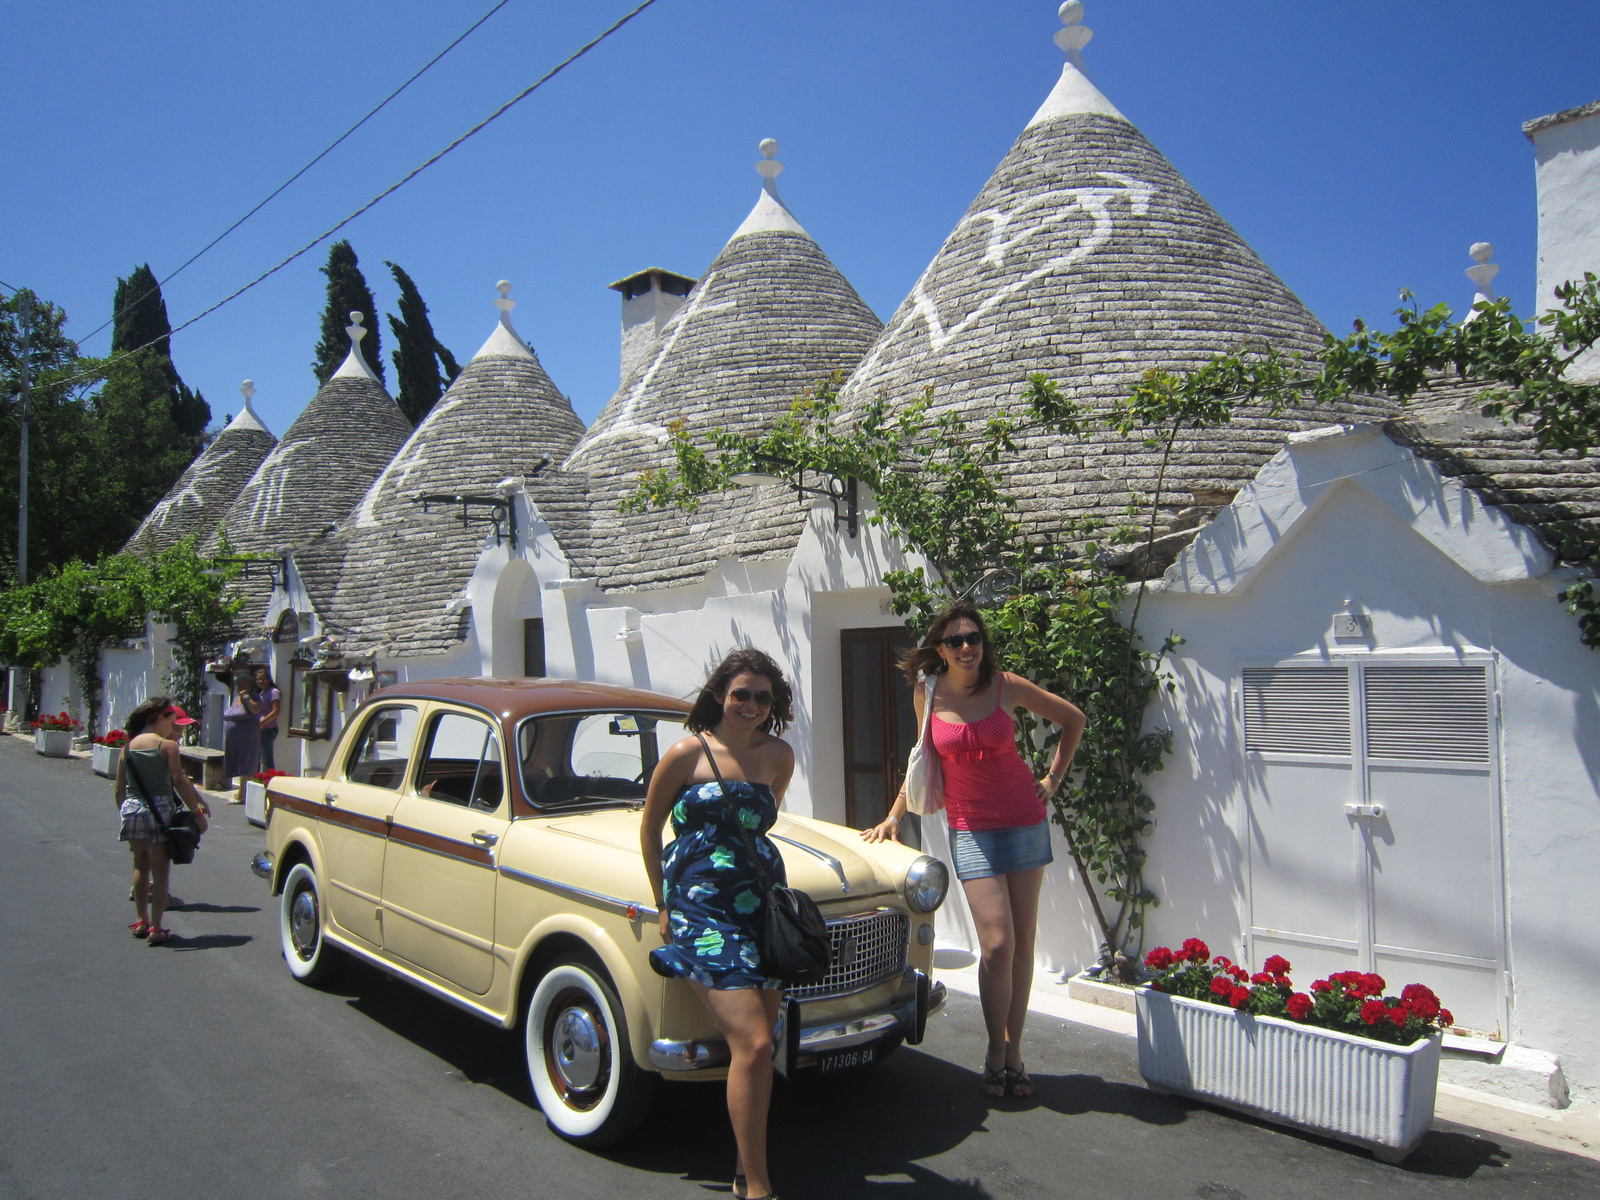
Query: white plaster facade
(1567,167)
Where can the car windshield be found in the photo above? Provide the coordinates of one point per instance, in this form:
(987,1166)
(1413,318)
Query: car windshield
(592,758)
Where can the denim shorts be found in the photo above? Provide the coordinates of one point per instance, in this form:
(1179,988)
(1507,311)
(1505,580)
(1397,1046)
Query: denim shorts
(983,853)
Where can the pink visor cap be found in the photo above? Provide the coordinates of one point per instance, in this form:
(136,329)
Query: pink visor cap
(179,717)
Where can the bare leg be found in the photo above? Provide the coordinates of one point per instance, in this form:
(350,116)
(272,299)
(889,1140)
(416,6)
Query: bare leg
(141,877)
(746,1017)
(160,866)
(1023,888)
(990,901)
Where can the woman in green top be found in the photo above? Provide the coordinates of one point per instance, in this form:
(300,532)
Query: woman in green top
(152,756)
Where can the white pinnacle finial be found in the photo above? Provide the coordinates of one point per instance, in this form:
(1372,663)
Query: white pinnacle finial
(355,363)
(769,168)
(1482,275)
(505,304)
(1074,37)
(247,389)
(356,329)
(505,341)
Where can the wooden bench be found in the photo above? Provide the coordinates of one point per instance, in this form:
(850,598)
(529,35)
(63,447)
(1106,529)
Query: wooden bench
(204,766)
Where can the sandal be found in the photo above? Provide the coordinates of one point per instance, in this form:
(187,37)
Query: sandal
(159,937)
(740,1188)
(1018,1083)
(140,929)
(993,1084)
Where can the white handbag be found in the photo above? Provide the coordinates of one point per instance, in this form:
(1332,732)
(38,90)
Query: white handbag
(924,779)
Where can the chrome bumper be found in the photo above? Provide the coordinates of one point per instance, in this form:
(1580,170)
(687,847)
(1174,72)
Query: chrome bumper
(906,1019)
(261,864)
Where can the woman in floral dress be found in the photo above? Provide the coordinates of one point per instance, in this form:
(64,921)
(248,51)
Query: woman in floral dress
(706,884)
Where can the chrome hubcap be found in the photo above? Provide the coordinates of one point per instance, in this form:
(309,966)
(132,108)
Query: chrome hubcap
(577,1044)
(303,923)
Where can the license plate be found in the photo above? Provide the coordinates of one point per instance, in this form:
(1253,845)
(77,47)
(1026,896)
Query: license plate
(846,1060)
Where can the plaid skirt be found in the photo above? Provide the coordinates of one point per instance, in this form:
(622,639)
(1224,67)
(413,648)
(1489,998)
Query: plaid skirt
(138,823)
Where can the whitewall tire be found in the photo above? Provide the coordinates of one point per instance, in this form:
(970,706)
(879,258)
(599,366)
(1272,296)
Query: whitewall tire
(579,1058)
(300,918)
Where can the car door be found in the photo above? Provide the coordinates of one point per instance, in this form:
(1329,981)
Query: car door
(358,799)
(439,876)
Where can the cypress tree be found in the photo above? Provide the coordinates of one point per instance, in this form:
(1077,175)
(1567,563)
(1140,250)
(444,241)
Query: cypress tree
(347,292)
(419,355)
(139,319)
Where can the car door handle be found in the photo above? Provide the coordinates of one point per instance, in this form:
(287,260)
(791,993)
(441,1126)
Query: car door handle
(328,797)
(1363,810)
(485,839)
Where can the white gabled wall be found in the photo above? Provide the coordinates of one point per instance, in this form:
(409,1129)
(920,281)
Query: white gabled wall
(1358,519)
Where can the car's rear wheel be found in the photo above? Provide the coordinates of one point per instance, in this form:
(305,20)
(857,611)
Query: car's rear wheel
(311,960)
(579,1056)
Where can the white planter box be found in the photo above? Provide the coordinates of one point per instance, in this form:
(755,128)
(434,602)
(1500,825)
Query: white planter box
(255,802)
(53,743)
(104,759)
(1368,1093)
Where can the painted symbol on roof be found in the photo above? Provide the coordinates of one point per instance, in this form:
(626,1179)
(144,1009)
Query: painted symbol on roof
(1007,240)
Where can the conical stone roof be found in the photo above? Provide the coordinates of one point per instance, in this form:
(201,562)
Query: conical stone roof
(323,466)
(771,317)
(400,572)
(200,498)
(1088,257)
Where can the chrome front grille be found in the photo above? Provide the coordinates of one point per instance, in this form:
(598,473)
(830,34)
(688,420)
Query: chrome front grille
(867,949)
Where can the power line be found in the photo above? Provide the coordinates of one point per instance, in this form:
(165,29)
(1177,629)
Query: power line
(388,191)
(330,148)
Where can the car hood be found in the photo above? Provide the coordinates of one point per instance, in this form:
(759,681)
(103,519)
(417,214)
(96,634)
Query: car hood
(829,862)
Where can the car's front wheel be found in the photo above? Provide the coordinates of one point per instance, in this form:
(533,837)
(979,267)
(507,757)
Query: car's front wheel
(310,958)
(579,1057)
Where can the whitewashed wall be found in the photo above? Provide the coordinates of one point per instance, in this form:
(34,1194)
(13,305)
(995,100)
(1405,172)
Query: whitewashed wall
(1567,167)
(1356,518)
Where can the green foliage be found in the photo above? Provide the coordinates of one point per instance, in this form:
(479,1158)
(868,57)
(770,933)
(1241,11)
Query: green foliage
(347,292)
(423,368)
(139,322)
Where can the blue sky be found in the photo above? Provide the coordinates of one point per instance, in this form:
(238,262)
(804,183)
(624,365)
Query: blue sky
(1359,147)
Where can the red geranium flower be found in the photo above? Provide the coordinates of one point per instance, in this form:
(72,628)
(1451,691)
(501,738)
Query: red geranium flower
(1239,997)
(1221,987)
(1276,965)
(1160,959)
(1322,985)
(1195,950)
(1261,977)
(1373,1011)
(1301,1006)
(1400,1013)
(1446,1019)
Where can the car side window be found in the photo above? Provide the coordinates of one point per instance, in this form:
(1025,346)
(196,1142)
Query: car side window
(591,757)
(383,748)
(461,764)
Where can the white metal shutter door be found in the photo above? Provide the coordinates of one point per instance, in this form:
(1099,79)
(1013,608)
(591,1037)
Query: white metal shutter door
(1306,874)
(1436,878)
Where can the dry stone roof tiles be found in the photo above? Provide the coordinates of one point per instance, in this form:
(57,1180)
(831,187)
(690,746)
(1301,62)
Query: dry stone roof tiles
(398,573)
(771,318)
(200,498)
(1089,258)
(320,470)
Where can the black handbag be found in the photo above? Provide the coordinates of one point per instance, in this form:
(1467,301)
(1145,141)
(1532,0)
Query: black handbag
(796,947)
(182,832)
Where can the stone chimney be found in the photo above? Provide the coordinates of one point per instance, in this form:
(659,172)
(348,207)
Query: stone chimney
(1566,147)
(649,299)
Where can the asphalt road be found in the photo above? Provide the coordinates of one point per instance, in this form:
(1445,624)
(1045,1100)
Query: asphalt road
(201,1070)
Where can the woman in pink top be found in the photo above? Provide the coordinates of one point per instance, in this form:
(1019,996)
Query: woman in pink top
(999,824)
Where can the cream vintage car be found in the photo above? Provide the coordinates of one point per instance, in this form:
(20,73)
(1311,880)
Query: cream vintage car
(479,838)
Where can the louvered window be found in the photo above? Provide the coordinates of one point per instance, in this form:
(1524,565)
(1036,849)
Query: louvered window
(1439,713)
(1297,710)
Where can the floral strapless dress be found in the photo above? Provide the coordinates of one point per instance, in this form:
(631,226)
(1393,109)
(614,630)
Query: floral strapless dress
(712,892)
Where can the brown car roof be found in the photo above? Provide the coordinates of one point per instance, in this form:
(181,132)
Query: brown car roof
(514,699)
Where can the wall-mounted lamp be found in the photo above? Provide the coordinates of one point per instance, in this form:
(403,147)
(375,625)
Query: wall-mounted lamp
(838,492)
(274,572)
(496,510)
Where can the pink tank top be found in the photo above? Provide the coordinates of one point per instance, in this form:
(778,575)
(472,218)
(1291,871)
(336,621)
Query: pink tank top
(986,783)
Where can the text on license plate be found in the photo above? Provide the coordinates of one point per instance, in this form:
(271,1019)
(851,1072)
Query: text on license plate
(846,1060)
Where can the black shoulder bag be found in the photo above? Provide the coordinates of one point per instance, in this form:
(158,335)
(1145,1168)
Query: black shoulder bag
(182,832)
(796,947)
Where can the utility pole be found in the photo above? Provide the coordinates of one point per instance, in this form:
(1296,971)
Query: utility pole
(25,321)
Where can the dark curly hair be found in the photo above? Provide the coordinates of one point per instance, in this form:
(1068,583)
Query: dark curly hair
(925,660)
(707,711)
(145,713)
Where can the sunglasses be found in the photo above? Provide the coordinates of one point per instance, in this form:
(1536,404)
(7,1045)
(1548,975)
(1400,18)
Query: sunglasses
(745,695)
(957,640)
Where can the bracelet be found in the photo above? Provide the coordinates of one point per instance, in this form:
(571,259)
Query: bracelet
(895,820)
(1054,774)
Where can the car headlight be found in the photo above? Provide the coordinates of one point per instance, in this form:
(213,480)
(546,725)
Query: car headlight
(926,884)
